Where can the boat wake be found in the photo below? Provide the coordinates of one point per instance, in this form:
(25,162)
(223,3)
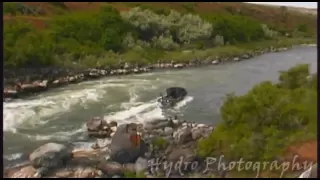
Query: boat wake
(52,117)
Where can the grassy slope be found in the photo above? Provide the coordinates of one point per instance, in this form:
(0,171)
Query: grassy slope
(267,14)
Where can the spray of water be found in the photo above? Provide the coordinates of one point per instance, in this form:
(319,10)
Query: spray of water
(30,114)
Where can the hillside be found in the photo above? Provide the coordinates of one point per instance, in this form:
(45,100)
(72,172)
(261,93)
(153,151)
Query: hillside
(267,14)
(91,34)
(302,10)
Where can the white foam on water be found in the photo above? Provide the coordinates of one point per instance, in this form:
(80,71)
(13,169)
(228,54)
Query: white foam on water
(134,94)
(184,102)
(150,115)
(145,74)
(312,45)
(37,111)
(142,113)
(127,114)
(133,98)
(86,146)
(13,157)
(62,135)
(28,113)
(127,80)
(79,146)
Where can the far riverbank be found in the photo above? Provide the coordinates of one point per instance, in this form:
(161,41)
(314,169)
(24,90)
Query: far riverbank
(20,83)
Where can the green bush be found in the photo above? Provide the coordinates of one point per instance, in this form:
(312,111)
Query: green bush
(77,34)
(25,46)
(172,29)
(237,29)
(303,28)
(19,8)
(139,36)
(10,8)
(295,77)
(160,143)
(106,28)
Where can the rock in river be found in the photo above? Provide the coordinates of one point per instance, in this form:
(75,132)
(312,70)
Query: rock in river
(99,128)
(50,155)
(168,131)
(111,168)
(126,145)
(141,164)
(183,135)
(185,156)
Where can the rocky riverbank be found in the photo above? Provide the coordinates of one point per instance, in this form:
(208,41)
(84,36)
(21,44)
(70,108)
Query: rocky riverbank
(170,141)
(18,84)
(172,153)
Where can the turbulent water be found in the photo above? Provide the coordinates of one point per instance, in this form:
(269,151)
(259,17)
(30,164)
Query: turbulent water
(59,115)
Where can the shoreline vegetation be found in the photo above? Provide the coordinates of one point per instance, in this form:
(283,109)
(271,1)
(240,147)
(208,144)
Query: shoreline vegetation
(262,125)
(266,123)
(69,76)
(82,45)
(251,141)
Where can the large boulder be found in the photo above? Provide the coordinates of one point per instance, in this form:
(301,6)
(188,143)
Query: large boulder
(141,165)
(111,168)
(99,128)
(50,155)
(80,166)
(201,132)
(96,123)
(168,131)
(186,157)
(130,167)
(180,153)
(126,145)
(183,135)
(26,171)
(159,123)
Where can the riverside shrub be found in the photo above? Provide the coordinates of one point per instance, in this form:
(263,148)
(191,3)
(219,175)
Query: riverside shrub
(109,33)
(260,124)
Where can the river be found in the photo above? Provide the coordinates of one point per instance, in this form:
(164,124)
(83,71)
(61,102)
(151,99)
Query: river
(59,115)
